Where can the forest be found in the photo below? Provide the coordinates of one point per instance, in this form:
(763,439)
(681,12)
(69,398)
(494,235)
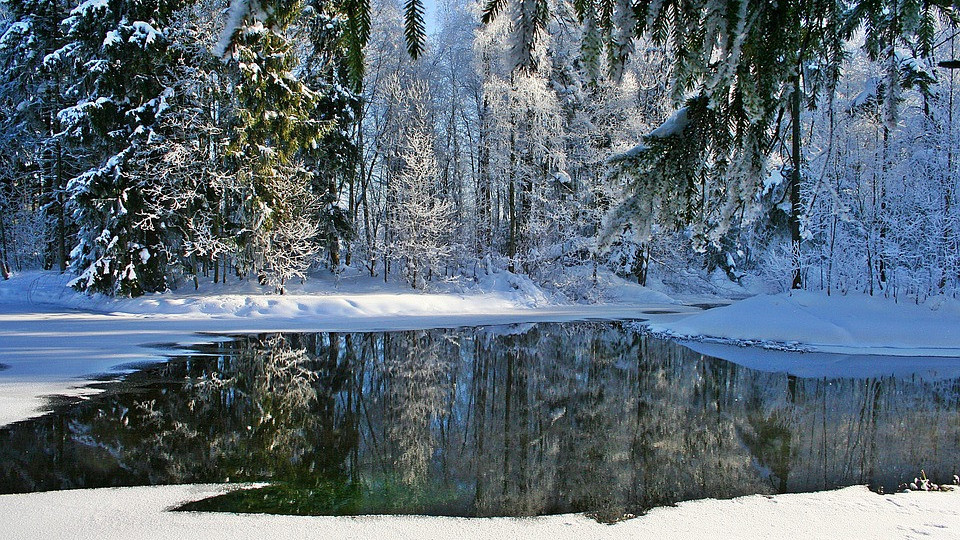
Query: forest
(154,145)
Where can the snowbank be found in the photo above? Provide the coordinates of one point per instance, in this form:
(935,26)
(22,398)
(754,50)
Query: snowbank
(810,321)
(352,296)
(141,512)
(23,399)
(818,365)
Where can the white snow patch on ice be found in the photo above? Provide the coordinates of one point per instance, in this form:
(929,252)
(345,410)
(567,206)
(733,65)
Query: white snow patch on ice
(24,399)
(813,321)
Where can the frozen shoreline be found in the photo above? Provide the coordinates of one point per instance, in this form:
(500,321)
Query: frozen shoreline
(142,512)
(804,321)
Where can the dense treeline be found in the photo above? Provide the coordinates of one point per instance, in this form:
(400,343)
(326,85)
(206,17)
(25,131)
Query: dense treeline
(807,143)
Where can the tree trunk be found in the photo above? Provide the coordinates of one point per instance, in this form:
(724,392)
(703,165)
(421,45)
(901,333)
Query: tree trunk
(512,204)
(4,264)
(795,204)
(61,218)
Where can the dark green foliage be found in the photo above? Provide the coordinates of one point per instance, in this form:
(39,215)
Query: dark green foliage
(272,124)
(333,161)
(355,37)
(414,28)
(186,157)
(114,55)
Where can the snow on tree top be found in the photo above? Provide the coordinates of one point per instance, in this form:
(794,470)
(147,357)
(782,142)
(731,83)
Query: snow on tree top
(89,6)
(113,38)
(14,33)
(238,11)
(54,58)
(145,34)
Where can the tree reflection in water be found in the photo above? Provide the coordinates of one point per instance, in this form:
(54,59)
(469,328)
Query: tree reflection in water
(517,420)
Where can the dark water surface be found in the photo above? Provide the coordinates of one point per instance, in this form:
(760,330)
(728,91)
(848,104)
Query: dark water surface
(509,420)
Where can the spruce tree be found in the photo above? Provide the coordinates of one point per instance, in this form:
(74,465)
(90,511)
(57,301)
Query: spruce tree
(273,123)
(333,161)
(114,52)
(189,176)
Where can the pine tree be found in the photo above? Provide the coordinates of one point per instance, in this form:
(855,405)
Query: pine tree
(114,53)
(273,124)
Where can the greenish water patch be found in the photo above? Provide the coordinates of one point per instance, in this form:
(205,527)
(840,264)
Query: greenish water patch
(321,500)
(339,499)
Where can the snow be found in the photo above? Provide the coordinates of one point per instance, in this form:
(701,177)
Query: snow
(672,126)
(238,12)
(613,289)
(818,365)
(145,34)
(631,154)
(142,512)
(14,33)
(113,38)
(868,93)
(563,177)
(89,7)
(19,398)
(814,322)
(51,60)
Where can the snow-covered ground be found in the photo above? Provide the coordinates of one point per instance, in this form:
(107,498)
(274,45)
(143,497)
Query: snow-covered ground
(142,512)
(814,322)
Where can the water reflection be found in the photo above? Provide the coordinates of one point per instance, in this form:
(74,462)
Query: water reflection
(518,420)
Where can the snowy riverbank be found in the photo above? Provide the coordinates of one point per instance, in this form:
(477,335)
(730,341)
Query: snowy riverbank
(323,298)
(814,322)
(143,512)
(54,340)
